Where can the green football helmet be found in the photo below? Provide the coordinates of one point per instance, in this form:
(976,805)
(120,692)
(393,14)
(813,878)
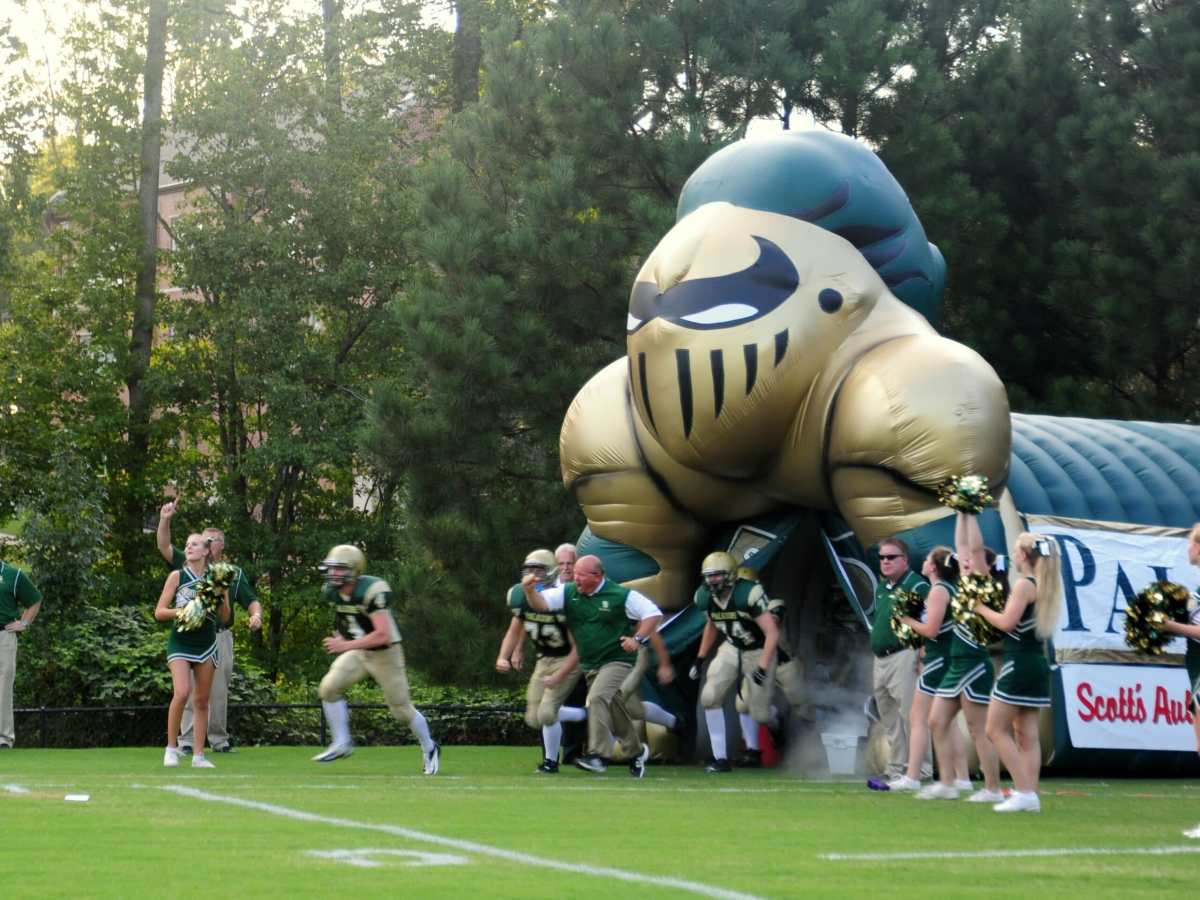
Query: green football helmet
(719,563)
(342,565)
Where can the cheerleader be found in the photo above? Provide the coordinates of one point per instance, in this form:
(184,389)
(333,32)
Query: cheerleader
(1191,631)
(1023,689)
(941,571)
(190,654)
(967,681)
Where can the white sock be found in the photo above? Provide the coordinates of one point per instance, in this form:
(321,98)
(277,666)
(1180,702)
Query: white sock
(749,731)
(658,715)
(421,729)
(552,740)
(337,714)
(715,719)
(572,714)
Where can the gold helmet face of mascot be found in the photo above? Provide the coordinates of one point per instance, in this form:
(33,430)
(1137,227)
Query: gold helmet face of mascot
(781,249)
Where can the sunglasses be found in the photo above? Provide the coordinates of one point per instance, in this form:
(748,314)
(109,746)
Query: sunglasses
(883,556)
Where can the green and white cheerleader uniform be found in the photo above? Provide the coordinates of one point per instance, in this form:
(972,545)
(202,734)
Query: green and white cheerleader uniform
(1192,658)
(200,644)
(968,670)
(1024,673)
(937,651)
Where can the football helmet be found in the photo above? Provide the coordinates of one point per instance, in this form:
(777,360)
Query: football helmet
(349,562)
(541,559)
(719,563)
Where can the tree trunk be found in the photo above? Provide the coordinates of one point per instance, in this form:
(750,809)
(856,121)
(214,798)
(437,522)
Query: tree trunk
(468,53)
(142,333)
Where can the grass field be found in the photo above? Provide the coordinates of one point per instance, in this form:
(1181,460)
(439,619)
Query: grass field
(269,823)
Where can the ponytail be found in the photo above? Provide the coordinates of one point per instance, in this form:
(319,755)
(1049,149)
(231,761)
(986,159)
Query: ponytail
(1043,553)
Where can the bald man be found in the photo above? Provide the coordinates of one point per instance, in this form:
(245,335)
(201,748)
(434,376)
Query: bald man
(609,623)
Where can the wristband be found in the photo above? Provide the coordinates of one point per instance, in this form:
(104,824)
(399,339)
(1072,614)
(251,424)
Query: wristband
(642,640)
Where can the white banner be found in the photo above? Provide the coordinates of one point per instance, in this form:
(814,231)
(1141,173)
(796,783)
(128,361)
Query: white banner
(1115,707)
(1101,571)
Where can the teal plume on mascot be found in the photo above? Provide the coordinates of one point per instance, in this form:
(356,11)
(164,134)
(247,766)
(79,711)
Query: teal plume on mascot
(780,355)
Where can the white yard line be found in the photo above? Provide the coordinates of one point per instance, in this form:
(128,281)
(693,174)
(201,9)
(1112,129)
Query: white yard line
(526,859)
(1010,854)
(13,789)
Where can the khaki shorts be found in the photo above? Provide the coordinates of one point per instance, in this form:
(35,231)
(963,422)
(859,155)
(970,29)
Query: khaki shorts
(385,666)
(541,703)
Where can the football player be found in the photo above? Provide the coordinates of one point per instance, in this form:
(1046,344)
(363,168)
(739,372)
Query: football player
(738,610)
(367,642)
(556,671)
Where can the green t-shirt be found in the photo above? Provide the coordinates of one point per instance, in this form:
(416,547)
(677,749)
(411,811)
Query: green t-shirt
(883,639)
(548,631)
(16,592)
(240,590)
(598,623)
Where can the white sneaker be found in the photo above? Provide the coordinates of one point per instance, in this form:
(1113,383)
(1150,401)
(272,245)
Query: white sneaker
(963,784)
(432,760)
(1192,832)
(199,762)
(1019,802)
(904,783)
(334,751)
(983,795)
(637,768)
(937,791)
(171,758)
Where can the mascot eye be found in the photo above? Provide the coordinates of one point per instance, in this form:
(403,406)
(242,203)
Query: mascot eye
(830,300)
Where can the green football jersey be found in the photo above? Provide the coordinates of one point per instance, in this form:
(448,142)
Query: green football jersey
(352,615)
(548,631)
(16,592)
(735,619)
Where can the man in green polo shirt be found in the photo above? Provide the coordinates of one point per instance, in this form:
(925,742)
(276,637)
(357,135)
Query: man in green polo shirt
(895,671)
(240,592)
(601,617)
(20,602)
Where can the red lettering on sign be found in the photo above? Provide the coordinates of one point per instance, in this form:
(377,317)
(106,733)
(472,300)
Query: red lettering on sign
(1127,706)
(1175,712)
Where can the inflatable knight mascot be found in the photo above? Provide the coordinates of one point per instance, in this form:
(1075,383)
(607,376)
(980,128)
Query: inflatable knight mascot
(779,355)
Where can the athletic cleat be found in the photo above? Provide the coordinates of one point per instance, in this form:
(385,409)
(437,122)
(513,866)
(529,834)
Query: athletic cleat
(904,783)
(750,759)
(718,766)
(334,751)
(171,758)
(199,762)
(937,791)
(637,768)
(1019,802)
(432,760)
(185,750)
(548,767)
(224,748)
(590,764)
(877,784)
(983,795)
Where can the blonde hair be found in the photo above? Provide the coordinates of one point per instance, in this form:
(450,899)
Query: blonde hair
(1042,552)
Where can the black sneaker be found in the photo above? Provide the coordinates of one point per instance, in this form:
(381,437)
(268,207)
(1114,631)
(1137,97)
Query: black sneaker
(717,766)
(637,768)
(185,749)
(548,767)
(591,764)
(224,748)
(750,759)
